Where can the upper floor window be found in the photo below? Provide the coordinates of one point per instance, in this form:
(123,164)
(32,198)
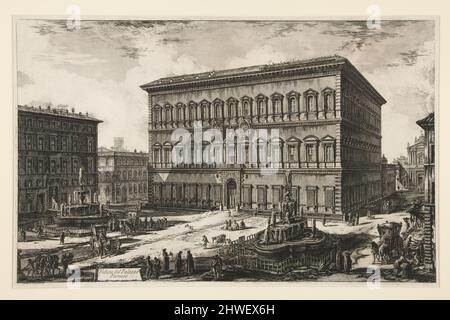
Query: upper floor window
(41,166)
(156,115)
(293,100)
(328,99)
(29,166)
(277,101)
(329,154)
(246,106)
(75,167)
(180,113)
(29,142)
(311,100)
(64,166)
(52,166)
(74,144)
(64,143)
(168,115)
(293,145)
(52,143)
(41,143)
(90,145)
(218,107)
(191,111)
(205,110)
(157,153)
(232,108)
(261,104)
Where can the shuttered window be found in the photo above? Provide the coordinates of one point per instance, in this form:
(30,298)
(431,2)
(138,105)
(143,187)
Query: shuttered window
(329,197)
(311,197)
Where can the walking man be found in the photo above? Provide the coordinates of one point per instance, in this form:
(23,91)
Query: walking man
(61,238)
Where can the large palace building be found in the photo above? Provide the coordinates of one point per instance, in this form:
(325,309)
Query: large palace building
(328,145)
(53,145)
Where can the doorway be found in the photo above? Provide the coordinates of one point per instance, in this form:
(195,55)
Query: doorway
(231,194)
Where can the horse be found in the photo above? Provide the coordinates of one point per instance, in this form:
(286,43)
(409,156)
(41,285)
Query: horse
(375,251)
(53,263)
(204,241)
(384,252)
(220,239)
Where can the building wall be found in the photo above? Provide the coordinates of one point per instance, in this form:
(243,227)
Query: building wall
(52,147)
(123,177)
(319,128)
(415,165)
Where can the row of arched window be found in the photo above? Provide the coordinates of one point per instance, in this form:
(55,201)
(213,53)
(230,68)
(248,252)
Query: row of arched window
(260,106)
(309,149)
(123,175)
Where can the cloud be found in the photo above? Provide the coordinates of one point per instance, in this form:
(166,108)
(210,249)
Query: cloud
(23,79)
(99,68)
(410,57)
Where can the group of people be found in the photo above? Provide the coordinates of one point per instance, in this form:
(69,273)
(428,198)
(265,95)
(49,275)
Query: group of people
(22,234)
(45,265)
(233,225)
(181,265)
(101,245)
(138,224)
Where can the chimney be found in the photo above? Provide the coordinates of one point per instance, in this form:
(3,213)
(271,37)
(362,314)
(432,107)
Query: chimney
(73,110)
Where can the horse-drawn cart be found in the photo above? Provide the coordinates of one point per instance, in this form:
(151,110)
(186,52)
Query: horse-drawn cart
(390,246)
(101,245)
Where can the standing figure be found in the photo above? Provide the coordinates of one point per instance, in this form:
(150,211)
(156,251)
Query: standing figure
(204,241)
(166,261)
(148,268)
(156,267)
(61,238)
(217,267)
(274,217)
(190,267)
(179,262)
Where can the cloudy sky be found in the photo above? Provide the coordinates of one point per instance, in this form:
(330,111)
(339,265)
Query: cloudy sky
(99,67)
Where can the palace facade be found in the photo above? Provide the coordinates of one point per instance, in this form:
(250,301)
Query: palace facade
(415,165)
(122,176)
(53,145)
(328,118)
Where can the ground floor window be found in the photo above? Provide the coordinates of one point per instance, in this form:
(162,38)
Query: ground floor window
(311,198)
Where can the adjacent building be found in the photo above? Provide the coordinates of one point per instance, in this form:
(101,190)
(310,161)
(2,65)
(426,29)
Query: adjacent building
(328,118)
(415,165)
(389,177)
(427,124)
(56,147)
(122,175)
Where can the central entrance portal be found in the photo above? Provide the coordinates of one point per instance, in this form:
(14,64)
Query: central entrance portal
(231,194)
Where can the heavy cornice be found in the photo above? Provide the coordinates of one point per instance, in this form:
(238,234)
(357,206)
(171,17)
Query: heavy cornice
(261,72)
